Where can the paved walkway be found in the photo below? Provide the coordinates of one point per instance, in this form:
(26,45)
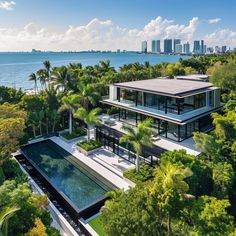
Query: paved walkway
(94,161)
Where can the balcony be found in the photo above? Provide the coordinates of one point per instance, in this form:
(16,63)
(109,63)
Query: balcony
(129,105)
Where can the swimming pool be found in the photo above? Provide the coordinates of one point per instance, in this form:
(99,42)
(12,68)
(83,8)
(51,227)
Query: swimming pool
(70,177)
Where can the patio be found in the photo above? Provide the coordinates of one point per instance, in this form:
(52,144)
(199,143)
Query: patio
(159,141)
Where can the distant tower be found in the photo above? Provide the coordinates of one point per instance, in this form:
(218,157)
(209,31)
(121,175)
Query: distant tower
(156,46)
(144,47)
(176,41)
(168,46)
(196,47)
(153,46)
(202,47)
(224,49)
(187,48)
(178,48)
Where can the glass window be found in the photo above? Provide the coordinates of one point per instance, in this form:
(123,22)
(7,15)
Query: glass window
(199,100)
(139,98)
(182,132)
(172,131)
(205,123)
(211,98)
(127,95)
(151,100)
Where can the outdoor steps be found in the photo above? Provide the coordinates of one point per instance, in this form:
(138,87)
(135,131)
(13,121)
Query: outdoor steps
(107,165)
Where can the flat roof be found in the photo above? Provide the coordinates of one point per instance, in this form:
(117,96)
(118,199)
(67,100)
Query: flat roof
(172,87)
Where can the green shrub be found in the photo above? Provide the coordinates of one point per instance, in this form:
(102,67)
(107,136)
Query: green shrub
(146,173)
(78,133)
(2,176)
(89,145)
(12,170)
(112,111)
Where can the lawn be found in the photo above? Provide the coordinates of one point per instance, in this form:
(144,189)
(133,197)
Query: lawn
(96,224)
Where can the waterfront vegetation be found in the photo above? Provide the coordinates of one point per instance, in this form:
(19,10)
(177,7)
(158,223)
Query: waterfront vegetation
(181,195)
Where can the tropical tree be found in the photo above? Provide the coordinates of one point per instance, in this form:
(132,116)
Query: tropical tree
(12,125)
(54,118)
(89,118)
(42,75)
(34,78)
(138,137)
(61,77)
(170,189)
(70,103)
(225,77)
(5,215)
(210,217)
(89,95)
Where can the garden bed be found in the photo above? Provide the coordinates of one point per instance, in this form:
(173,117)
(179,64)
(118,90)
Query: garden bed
(67,137)
(88,147)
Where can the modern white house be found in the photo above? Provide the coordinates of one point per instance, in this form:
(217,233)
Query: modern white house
(178,107)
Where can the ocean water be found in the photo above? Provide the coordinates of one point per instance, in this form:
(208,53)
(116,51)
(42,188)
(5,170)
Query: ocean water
(15,68)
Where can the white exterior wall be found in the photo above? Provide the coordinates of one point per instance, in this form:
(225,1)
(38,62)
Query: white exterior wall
(112,92)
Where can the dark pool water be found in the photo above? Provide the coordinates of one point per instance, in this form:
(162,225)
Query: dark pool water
(80,185)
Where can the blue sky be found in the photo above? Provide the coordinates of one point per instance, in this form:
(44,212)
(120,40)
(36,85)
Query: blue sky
(55,16)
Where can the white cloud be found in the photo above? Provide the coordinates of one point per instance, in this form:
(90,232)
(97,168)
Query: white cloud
(7,5)
(221,37)
(214,21)
(100,35)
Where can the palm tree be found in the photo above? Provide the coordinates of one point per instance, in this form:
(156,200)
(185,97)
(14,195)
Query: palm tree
(89,118)
(170,179)
(5,215)
(53,117)
(42,75)
(138,137)
(36,121)
(34,78)
(47,66)
(61,77)
(89,95)
(70,103)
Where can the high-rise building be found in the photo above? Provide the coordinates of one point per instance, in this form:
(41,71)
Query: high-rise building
(186,48)
(224,49)
(202,47)
(144,47)
(156,46)
(210,50)
(168,46)
(217,49)
(176,41)
(178,48)
(196,47)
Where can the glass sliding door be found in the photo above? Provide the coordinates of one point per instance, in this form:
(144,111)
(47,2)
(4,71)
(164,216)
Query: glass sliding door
(172,131)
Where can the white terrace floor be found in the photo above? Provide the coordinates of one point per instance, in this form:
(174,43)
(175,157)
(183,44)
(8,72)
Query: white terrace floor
(104,162)
(170,145)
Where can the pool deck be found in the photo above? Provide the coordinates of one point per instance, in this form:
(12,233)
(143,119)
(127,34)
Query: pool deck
(104,162)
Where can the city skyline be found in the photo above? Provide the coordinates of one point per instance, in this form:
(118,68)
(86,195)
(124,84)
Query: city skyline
(100,25)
